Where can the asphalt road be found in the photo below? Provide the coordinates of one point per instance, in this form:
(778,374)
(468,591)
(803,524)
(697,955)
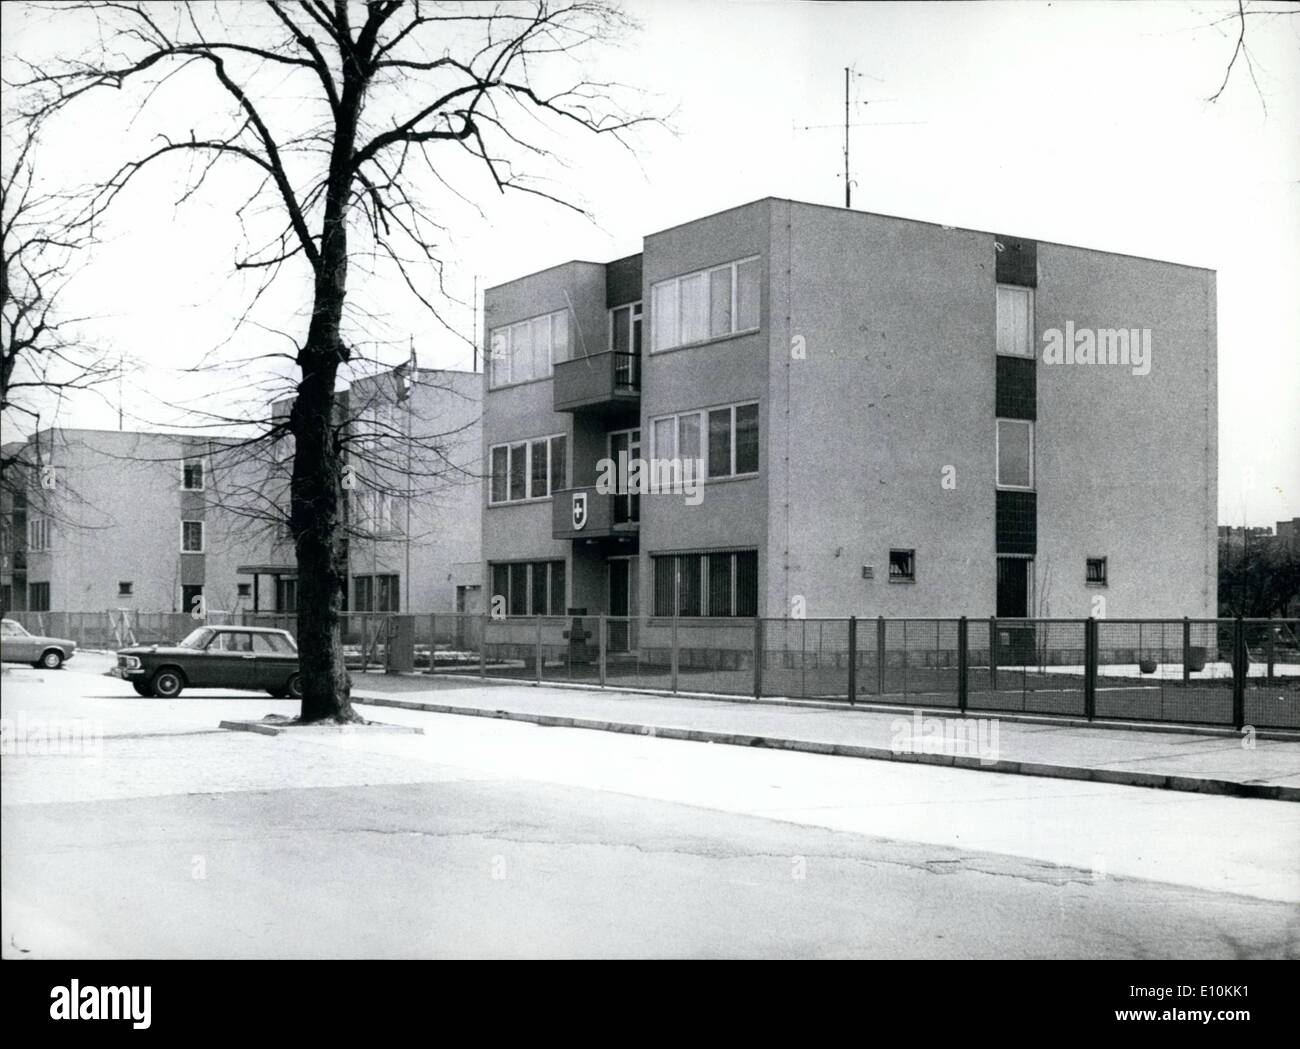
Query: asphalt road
(483,838)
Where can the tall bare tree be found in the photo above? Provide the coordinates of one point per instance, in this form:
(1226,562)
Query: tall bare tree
(43,235)
(335,106)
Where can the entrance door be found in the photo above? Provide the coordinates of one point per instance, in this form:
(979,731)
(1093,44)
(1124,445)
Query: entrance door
(627,505)
(1013,587)
(619,631)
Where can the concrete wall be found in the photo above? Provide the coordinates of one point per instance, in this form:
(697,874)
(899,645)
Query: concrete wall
(896,382)
(727,370)
(1127,464)
(525,410)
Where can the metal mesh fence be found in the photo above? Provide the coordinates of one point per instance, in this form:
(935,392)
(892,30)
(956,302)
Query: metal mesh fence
(1203,672)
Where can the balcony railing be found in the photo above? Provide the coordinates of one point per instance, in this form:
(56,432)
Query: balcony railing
(585,513)
(597,381)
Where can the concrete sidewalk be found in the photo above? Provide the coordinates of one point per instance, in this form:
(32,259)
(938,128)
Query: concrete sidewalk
(1170,760)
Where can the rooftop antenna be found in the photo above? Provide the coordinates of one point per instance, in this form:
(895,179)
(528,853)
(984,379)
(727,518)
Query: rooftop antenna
(849,74)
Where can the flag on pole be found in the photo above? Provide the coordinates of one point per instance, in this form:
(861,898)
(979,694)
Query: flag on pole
(410,375)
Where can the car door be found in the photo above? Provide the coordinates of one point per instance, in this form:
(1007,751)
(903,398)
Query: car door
(276,660)
(227,662)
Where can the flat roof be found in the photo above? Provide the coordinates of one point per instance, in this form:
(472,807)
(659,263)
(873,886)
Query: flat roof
(852,211)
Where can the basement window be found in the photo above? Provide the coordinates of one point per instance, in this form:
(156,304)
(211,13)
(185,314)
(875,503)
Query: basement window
(902,566)
(1095,572)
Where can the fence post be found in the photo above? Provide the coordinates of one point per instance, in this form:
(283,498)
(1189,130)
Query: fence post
(672,659)
(1187,648)
(880,655)
(1269,649)
(993,654)
(482,644)
(853,660)
(962,660)
(602,631)
(1239,669)
(1090,668)
(758,657)
(537,652)
(433,640)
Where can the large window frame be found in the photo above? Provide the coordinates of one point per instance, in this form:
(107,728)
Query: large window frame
(505,364)
(555,474)
(997,455)
(666,300)
(703,432)
(518,582)
(1010,346)
(691,580)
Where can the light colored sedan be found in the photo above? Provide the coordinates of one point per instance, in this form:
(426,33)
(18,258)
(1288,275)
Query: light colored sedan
(18,646)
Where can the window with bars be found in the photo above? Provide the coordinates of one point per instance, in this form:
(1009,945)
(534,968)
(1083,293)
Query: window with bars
(371,593)
(1095,571)
(530,588)
(532,469)
(720,583)
(902,566)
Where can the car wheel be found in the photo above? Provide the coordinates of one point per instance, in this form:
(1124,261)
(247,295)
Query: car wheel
(52,659)
(142,689)
(295,687)
(167,684)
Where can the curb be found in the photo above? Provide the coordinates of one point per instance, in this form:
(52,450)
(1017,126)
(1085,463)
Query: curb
(1280,735)
(265,729)
(1119,777)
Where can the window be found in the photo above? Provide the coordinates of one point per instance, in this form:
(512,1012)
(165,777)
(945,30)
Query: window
(535,588)
(378,511)
(192,476)
(1095,571)
(191,537)
(124,588)
(902,566)
(273,644)
(38,534)
(1015,454)
(625,329)
(529,349)
(1015,321)
(372,593)
(38,597)
(191,598)
(244,589)
(531,469)
(707,304)
(732,439)
(286,594)
(715,583)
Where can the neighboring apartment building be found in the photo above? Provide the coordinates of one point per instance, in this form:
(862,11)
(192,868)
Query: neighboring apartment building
(889,417)
(427,431)
(120,519)
(157,521)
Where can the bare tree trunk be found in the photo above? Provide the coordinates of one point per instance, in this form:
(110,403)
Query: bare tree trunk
(316,490)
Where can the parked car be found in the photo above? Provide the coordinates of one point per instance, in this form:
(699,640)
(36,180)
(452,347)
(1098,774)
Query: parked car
(18,646)
(215,657)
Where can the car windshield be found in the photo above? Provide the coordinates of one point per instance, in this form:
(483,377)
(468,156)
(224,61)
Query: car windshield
(198,638)
(15,629)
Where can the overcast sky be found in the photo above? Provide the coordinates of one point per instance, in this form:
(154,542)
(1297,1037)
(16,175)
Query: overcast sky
(1082,123)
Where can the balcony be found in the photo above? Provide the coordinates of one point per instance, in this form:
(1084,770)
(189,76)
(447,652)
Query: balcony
(605,515)
(602,382)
